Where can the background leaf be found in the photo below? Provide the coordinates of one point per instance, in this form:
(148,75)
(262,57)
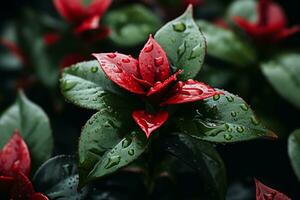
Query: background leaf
(34,126)
(108,142)
(131,25)
(283,74)
(85,85)
(294,151)
(226,46)
(184,44)
(222,118)
(204,159)
(58,179)
(243,8)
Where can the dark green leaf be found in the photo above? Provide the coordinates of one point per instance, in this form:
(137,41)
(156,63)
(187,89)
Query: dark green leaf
(58,179)
(225,45)
(184,44)
(108,142)
(85,85)
(204,159)
(222,118)
(34,126)
(294,151)
(283,73)
(131,25)
(245,8)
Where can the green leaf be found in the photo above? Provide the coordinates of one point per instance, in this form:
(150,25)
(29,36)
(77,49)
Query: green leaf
(243,8)
(131,25)
(204,159)
(294,151)
(184,44)
(223,118)
(85,85)
(34,126)
(283,74)
(108,142)
(225,45)
(62,182)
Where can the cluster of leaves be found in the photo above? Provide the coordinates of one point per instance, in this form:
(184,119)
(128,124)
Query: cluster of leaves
(155,119)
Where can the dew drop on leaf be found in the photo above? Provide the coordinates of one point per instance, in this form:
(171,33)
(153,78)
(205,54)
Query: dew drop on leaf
(196,51)
(112,161)
(216,97)
(126,60)
(240,129)
(181,50)
(111,55)
(244,107)
(159,61)
(254,120)
(228,136)
(179,26)
(66,85)
(131,152)
(230,98)
(126,142)
(148,47)
(233,114)
(94,69)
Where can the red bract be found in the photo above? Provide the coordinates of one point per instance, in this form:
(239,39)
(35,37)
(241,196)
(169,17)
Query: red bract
(149,77)
(263,192)
(83,17)
(271,24)
(14,169)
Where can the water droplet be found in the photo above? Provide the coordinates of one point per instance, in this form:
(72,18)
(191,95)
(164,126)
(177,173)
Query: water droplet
(131,152)
(254,120)
(159,61)
(196,51)
(112,161)
(181,50)
(233,114)
(126,142)
(94,69)
(244,107)
(228,136)
(179,26)
(148,47)
(216,97)
(66,85)
(111,55)
(126,60)
(230,98)
(240,129)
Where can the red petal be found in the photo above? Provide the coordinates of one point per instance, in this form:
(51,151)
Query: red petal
(160,87)
(287,32)
(71,10)
(149,122)
(88,24)
(6,184)
(120,69)
(189,91)
(14,157)
(153,62)
(263,192)
(51,38)
(38,196)
(22,188)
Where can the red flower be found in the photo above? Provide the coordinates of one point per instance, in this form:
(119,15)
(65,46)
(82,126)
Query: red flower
(84,17)
(14,169)
(149,77)
(271,24)
(263,192)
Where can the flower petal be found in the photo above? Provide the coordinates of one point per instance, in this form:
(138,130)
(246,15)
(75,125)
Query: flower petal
(149,122)
(38,196)
(91,23)
(120,69)
(159,87)
(287,32)
(14,157)
(71,10)
(263,192)
(153,62)
(5,184)
(189,91)
(22,188)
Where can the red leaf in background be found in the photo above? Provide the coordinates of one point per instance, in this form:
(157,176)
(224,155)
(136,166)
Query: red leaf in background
(153,62)
(14,157)
(84,17)
(121,69)
(149,122)
(189,91)
(271,24)
(263,192)
(51,38)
